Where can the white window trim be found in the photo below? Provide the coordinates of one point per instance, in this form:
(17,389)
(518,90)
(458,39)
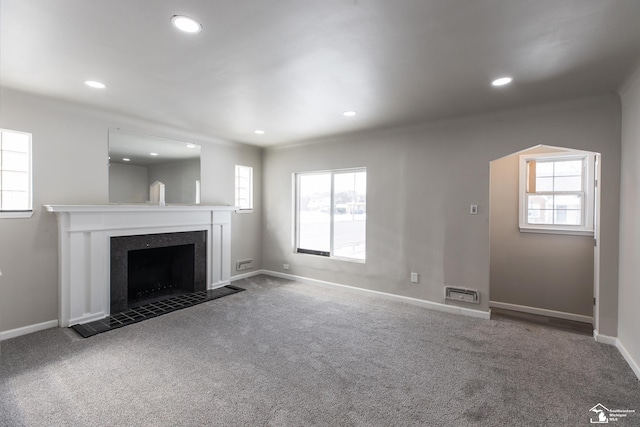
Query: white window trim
(587,202)
(235,179)
(296,211)
(16,214)
(27,213)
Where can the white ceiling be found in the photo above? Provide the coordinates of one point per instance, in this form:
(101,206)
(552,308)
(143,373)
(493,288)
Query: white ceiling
(291,67)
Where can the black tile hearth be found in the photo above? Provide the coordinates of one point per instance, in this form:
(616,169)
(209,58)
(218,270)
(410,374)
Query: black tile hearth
(154,309)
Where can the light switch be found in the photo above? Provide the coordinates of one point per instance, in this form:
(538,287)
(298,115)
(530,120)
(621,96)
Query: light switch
(473,210)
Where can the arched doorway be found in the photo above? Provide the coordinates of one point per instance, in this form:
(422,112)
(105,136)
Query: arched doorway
(537,266)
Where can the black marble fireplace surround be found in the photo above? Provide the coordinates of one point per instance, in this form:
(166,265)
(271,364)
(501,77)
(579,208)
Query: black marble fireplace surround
(151,267)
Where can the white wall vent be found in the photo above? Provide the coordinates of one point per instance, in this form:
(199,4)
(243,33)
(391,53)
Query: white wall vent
(244,265)
(462,294)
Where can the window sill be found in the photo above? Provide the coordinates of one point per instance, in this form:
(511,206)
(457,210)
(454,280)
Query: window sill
(569,232)
(244,211)
(334,258)
(354,260)
(16,214)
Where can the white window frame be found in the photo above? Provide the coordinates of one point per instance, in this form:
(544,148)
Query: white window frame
(238,188)
(26,213)
(588,194)
(296,213)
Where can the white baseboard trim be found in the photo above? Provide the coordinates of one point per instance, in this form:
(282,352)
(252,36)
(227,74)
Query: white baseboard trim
(604,339)
(542,312)
(13,333)
(415,301)
(635,367)
(218,284)
(86,319)
(247,275)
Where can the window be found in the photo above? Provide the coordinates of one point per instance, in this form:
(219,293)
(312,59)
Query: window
(331,213)
(244,188)
(15,174)
(556,192)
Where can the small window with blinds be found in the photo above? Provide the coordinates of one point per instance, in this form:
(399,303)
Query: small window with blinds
(557,193)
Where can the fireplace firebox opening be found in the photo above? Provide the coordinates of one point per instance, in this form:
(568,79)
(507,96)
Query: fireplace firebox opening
(153,267)
(157,273)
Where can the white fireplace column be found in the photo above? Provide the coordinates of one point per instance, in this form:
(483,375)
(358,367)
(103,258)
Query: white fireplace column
(84,249)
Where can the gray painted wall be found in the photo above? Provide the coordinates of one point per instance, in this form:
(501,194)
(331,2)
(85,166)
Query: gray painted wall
(421,181)
(70,150)
(550,271)
(629,288)
(128,183)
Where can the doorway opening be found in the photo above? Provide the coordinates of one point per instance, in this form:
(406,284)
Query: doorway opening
(544,205)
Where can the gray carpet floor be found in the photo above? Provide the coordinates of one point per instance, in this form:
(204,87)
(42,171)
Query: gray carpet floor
(289,354)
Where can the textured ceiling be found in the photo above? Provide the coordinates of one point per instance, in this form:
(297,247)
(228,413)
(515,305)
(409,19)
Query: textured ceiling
(291,67)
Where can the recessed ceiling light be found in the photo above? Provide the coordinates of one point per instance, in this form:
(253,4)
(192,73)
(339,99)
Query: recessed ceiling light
(259,132)
(502,81)
(153,154)
(126,160)
(191,146)
(349,113)
(94,84)
(186,24)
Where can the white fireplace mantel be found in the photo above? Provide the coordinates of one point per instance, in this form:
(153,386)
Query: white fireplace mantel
(84,249)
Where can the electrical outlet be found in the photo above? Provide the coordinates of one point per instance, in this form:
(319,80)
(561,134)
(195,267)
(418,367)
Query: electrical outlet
(473,210)
(414,277)
(285,266)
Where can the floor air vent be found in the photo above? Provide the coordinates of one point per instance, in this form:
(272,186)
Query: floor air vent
(462,294)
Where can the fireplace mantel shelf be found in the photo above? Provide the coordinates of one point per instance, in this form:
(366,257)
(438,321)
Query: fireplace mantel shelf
(142,207)
(84,234)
